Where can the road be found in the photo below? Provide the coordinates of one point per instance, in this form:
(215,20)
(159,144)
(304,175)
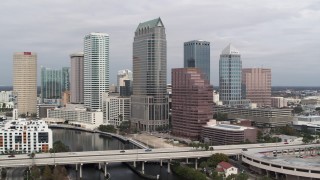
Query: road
(130,155)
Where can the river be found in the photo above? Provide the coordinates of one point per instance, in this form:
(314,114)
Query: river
(86,141)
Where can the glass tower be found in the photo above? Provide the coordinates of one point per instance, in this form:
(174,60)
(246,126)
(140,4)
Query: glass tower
(54,82)
(96,69)
(197,54)
(230,69)
(149,100)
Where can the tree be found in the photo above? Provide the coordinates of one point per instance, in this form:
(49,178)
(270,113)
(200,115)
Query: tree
(47,173)
(242,176)
(297,110)
(206,146)
(220,116)
(107,128)
(124,126)
(33,115)
(217,158)
(35,173)
(58,146)
(60,173)
(203,164)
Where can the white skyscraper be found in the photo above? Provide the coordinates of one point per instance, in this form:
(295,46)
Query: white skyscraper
(96,69)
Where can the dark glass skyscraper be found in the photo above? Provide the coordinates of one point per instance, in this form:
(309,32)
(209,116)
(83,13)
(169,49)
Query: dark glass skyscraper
(197,54)
(149,100)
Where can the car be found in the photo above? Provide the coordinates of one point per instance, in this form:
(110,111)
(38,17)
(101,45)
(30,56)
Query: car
(148,150)
(244,149)
(122,151)
(286,143)
(11,155)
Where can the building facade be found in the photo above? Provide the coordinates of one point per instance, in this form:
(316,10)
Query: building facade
(77,115)
(76,78)
(261,117)
(124,82)
(278,102)
(223,134)
(256,86)
(149,100)
(117,110)
(230,70)
(25,82)
(191,102)
(197,54)
(25,136)
(51,83)
(96,69)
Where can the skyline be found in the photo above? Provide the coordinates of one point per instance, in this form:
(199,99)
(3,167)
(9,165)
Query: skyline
(283,37)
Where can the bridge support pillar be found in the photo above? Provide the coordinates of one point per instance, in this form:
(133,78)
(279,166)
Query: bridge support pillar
(187,160)
(99,166)
(76,167)
(134,164)
(196,164)
(161,162)
(142,168)
(80,171)
(169,170)
(277,175)
(105,169)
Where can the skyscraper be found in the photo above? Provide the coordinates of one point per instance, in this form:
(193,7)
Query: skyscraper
(96,69)
(65,79)
(25,82)
(124,82)
(51,83)
(256,85)
(230,69)
(191,102)
(197,54)
(76,78)
(149,99)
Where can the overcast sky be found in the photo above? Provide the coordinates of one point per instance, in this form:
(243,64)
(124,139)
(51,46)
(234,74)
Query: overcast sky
(283,35)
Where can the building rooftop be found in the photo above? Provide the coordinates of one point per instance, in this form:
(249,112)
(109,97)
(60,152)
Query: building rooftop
(150,24)
(228,127)
(225,165)
(230,50)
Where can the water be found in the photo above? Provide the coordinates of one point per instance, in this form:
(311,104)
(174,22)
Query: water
(85,141)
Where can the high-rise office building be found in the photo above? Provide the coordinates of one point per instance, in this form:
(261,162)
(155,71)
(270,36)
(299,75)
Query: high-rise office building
(76,78)
(124,82)
(230,69)
(256,85)
(197,54)
(51,83)
(96,69)
(25,82)
(149,100)
(191,102)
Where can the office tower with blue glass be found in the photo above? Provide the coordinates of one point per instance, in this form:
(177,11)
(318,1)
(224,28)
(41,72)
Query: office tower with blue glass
(150,107)
(197,54)
(230,74)
(96,69)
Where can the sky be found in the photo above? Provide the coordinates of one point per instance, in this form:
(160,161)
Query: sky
(283,35)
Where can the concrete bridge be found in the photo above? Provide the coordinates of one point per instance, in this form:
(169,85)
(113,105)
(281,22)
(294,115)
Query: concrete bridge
(135,155)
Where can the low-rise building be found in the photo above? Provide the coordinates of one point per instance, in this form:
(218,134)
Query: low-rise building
(311,123)
(76,114)
(226,169)
(25,136)
(215,133)
(261,117)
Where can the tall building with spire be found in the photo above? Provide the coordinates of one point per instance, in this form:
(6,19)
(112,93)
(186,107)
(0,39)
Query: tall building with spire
(230,74)
(96,69)
(197,54)
(25,82)
(149,100)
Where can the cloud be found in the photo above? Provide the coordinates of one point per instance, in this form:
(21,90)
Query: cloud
(282,35)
